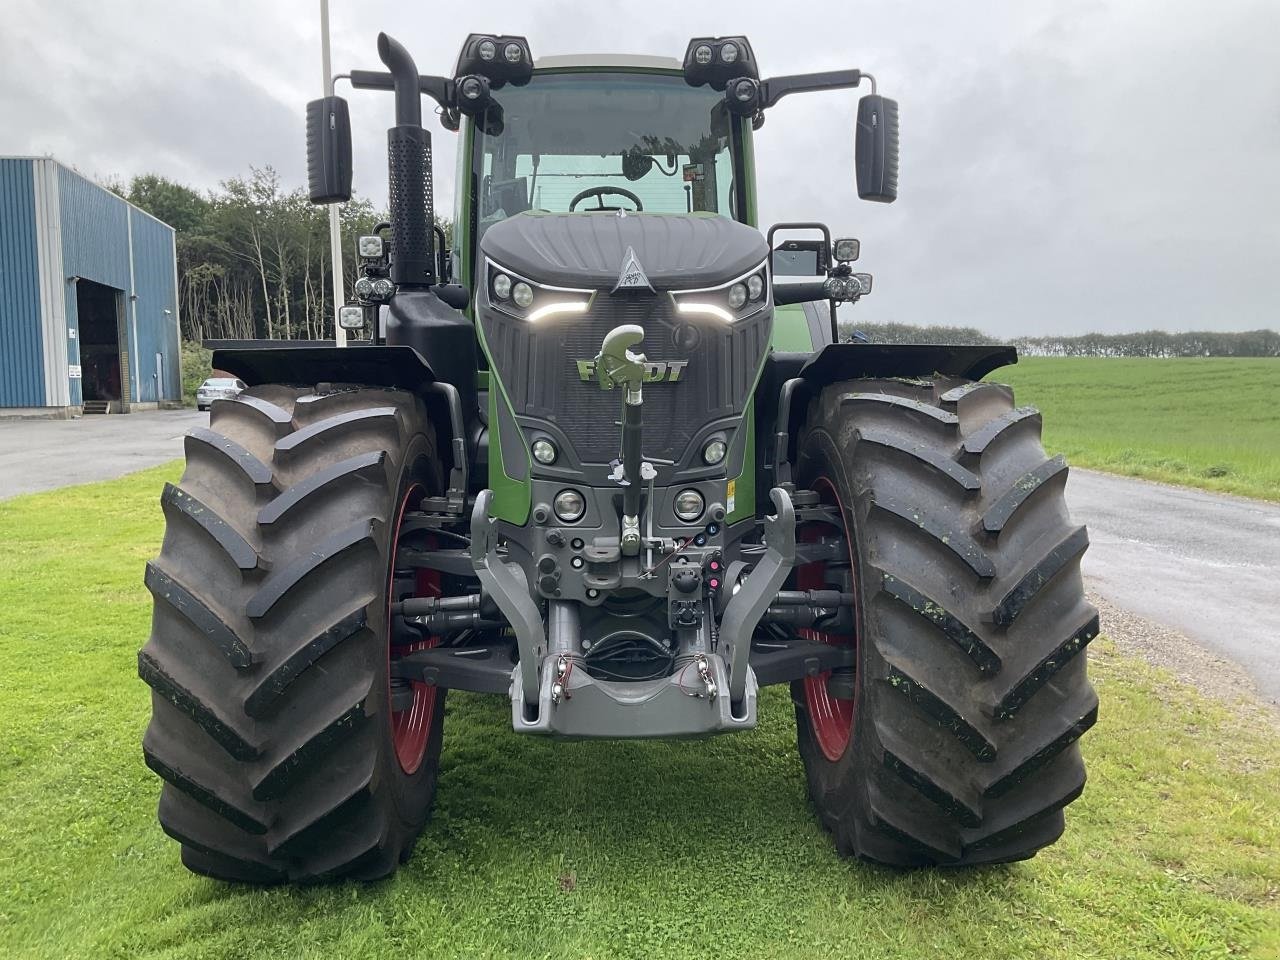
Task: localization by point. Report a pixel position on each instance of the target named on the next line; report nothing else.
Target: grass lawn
(542, 849)
(1212, 422)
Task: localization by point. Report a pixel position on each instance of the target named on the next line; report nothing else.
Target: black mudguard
(303, 361)
(790, 379)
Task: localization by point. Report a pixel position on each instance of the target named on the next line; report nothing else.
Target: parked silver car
(218, 388)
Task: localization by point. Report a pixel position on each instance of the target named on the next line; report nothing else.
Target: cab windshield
(592, 141)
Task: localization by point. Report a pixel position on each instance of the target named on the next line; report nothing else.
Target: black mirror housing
(876, 147)
(328, 150)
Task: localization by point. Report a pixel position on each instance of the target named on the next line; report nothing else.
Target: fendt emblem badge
(632, 275)
(669, 371)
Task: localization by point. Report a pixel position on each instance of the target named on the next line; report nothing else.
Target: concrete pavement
(40, 455)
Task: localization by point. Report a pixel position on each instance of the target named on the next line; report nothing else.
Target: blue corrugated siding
(95, 245)
(21, 347)
(157, 330)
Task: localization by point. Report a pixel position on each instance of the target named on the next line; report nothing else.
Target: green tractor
(605, 456)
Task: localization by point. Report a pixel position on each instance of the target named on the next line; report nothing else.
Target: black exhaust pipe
(409, 173)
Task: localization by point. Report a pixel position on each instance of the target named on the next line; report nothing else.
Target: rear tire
(959, 746)
(272, 719)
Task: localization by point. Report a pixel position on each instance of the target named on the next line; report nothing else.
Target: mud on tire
(970, 685)
(272, 724)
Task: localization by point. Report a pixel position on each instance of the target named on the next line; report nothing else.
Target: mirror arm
(805, 291)
(439, 89)
(775, 88)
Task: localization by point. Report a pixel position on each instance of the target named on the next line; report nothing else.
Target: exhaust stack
(409, 173)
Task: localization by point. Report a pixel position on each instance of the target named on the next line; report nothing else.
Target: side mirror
(328, 150)
(801, 258)
(877, 149)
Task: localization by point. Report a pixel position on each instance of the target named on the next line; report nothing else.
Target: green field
(601, 850)
(1211, 423)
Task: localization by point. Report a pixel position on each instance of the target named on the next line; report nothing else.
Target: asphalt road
(44, 454)
(1206, 564)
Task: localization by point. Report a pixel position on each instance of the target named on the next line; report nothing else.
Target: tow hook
(708, 681)
(559, 686)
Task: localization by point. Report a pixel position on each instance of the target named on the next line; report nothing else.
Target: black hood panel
(676, 251)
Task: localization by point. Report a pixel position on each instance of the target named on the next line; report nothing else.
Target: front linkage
(711, 592)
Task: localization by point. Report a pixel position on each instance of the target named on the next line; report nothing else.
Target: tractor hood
(675, 251)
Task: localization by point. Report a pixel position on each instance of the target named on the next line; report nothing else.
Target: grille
(539, 367)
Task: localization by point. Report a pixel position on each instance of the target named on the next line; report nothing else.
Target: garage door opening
(101, 312)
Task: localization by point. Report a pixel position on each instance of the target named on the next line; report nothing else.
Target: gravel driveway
(1205, 564)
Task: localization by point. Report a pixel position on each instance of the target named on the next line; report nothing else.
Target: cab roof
(607, 61)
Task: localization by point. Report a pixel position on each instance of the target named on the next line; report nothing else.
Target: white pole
(335, 233)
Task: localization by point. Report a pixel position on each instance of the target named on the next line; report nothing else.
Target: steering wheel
(599, 194)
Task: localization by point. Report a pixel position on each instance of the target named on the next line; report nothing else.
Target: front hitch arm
(758, 591)
(506, 584)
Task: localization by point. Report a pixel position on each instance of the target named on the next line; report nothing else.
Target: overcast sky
(1066, 166)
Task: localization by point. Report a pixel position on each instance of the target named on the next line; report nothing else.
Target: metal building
(88, 296)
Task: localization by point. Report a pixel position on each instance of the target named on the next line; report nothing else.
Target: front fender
(792, 378)
(271, 361)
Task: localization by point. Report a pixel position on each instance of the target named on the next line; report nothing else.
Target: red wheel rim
(411, 726)
(830, 717)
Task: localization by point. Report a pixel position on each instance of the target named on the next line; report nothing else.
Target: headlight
(729, 52)
(729, 302)
(512, 52)
(569, 506)
(689, 505)
(532, 301)
(714, 451)
(383, 288)
(364, 288)
(487, 49)
(703, 54)
(544, 451)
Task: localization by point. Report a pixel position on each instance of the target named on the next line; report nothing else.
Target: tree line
(253, 257)
(1148, 343)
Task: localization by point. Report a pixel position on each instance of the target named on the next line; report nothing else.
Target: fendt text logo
(654, 371)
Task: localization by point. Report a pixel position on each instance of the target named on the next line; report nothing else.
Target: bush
(197, 366)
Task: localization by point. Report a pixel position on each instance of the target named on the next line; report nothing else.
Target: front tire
(283, 753)
(955, 742)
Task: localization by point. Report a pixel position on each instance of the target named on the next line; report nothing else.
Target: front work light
(351, 317)
(479, 56)
(847, 250)
(717, 60)
(370, 247)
